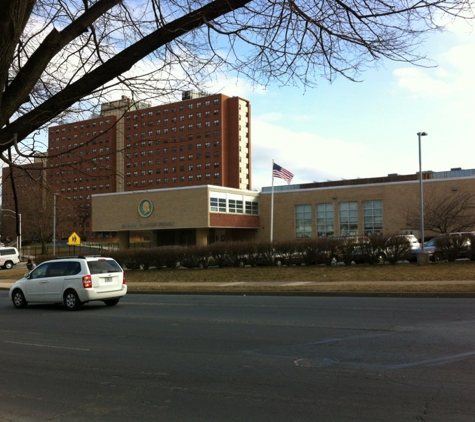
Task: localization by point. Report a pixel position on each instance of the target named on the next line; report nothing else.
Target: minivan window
(57, 269)
(104, 266)
(40, 271)
(7, 252)
(73, 268)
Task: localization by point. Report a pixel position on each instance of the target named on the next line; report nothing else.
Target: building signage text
(148, 225)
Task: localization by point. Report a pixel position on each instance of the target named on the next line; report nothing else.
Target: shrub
(373, 250)
(286, 253)
(219, 255)
(307, 249)
(396, 248)
(327, 250)
(196, 256)
(351, 249)
(453, 246)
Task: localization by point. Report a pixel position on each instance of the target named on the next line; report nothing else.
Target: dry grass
(441, 278)
(447, 271)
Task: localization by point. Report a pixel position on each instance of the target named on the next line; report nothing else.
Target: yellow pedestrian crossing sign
(74, 239)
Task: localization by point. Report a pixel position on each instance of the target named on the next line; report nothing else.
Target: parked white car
(72, 281)
(9, 257)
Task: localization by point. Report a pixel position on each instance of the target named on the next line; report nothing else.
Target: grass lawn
(446, 277)
(446, 271)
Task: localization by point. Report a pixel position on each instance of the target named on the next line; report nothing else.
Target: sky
(348, 130)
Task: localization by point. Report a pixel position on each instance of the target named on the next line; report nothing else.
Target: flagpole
(272, 207)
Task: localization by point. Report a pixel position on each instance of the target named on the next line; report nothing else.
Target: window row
(347, 217)
(167, 160)
(172, 109)
(76, 145)
(234, 206)
(174, 179)
(190, 126)
(171, 170)
(181, 118)
(166, 131)
(80, 126)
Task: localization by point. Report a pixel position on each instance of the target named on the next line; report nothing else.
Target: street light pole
(421, 192)
(54, 225)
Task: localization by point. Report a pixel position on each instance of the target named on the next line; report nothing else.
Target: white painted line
(298, 283)
(46, 345)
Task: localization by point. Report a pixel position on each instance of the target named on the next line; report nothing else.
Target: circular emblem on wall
(145, 208)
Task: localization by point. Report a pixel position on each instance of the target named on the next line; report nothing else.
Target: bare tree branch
(89, 44)
(444, 211)
(59, 59)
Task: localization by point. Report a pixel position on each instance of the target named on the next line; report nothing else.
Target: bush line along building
(180, 173)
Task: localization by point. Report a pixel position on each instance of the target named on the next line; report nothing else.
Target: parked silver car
(450, 246)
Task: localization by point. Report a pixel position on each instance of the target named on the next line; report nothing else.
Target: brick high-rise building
(29, 183)
(201, 140)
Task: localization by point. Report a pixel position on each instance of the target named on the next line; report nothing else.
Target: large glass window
(303, 221)
(325, 220)
(252, 207)
(232, 205)
(348, 218)
(218, 204)
(373, 217)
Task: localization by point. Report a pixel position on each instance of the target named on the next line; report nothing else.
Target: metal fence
(61, 249)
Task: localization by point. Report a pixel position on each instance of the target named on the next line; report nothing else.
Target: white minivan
(9, 257)
(72, 281)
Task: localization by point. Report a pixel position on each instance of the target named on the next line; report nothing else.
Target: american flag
(281, 173)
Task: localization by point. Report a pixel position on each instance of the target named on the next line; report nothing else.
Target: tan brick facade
(172, 209)
(397, 199)
(175, 210)
(192, 208)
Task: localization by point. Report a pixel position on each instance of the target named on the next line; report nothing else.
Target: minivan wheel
(18, 299)
(112, 302)
(71, 300)
(8, 265)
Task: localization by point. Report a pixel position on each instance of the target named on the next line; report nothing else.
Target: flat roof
(183, 188)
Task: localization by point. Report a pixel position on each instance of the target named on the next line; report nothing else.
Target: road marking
(298, 283)
(236, 283)
(46, 345)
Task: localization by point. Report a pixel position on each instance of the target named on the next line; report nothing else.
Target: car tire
(112, 302)
(8, 265)
(71, 300)
(380, 258)
(438, 257)
(18, 299)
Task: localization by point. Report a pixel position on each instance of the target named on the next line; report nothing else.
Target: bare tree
(37, 213)
(59, 57)
(66, 55)
(444, 211)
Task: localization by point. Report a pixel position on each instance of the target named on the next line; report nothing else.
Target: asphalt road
(240, 358)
